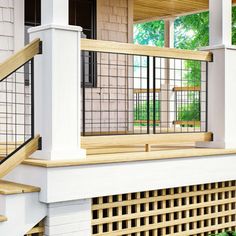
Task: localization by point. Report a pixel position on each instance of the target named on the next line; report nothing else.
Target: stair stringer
(23, 212)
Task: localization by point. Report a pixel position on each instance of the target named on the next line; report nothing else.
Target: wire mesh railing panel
(197, 210)
(135, 94)
(16, 110)
(183, 95)
(108, 108)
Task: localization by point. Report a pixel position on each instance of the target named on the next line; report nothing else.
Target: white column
(55, 12)
(69, 218)
(221, 77)
(220, 22)
(57, 84)
(167, 116)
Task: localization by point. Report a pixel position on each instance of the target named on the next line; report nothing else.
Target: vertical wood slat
(190, 210)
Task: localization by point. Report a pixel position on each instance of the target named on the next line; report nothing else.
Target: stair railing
(17, 102)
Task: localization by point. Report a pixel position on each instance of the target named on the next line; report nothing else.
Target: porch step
(20, 204)
(3, 218)
(7, 188)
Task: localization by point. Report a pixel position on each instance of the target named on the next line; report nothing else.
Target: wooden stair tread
(7, 188)
(3, 218)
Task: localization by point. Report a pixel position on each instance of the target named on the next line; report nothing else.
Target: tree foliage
(150, 33)
(191, 32)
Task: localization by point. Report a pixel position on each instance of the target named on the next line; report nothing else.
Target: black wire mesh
(16, 110)
(137, 94)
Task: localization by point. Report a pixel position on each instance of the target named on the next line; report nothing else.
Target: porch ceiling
(145, 10)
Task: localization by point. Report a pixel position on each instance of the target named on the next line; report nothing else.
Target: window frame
(92, 81)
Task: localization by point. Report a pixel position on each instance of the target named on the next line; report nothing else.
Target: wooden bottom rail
(147, 140)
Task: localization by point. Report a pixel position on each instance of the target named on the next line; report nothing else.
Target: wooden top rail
(134, 49)
(19, 59)
(191, 88)
(138, 91)
(187, 122)
(117, 140)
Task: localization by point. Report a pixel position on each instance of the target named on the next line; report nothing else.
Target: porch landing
(135, 153)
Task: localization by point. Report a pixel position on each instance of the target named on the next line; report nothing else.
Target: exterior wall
(114, 23)
(6, 48)
(11, 40)
(112, 20)
(6, 28)
(11, 27)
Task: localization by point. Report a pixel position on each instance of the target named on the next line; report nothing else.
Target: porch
(120, 138)
(159, 96)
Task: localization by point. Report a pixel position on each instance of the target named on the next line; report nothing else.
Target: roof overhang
(148, 10)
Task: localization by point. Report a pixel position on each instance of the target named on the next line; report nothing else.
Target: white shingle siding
(6, 47)
(6, 28)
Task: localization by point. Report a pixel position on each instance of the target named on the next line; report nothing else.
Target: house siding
(6, 28)
(114, 23)
(112, 20)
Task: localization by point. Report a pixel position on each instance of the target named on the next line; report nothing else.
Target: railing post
(148, 95)
(154, 95)
(32, 98)
(58, 85)
(221, 78)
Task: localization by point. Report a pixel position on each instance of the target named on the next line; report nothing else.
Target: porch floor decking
(135, 153)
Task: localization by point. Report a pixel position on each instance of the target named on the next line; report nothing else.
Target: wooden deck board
(7, 188)
(158, 153)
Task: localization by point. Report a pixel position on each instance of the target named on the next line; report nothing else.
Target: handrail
(134, 49)
(20, 58)
(20, 142)
(19, 156)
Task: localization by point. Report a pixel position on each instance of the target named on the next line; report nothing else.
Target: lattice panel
(197, 210)
(38, 230)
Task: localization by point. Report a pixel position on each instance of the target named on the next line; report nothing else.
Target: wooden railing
(147, 140)
(17, 139)
(20, 58)
(133, 49)
(157, 59)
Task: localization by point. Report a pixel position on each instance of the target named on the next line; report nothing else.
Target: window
(32, 12)
(81, 13)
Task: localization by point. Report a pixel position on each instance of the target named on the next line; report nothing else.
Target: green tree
(191, 32)
(141, 112)
(150, 33)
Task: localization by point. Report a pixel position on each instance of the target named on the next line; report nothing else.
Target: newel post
(57, 83)
(221, 77)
